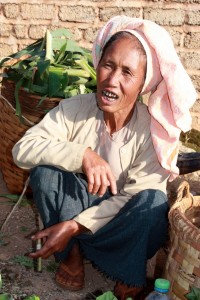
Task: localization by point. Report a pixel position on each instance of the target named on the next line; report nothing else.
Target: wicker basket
(183, 262)
(12, 130)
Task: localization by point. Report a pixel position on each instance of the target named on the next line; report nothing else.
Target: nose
(114, 77)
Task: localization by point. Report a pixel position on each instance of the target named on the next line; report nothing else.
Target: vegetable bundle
(54, 66)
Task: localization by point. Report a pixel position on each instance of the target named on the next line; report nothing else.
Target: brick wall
(23, 21)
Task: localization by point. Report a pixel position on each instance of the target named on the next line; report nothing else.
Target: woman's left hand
(56, 237)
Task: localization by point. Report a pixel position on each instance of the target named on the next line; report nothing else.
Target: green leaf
(41, 100)
(38, 89)
(60, 54)
(85, 66)
(14, 198)
(32, 48)
(49, 48)
(17, 88)
(107, 296)
(23, 229)
(23, 261)
(194, 293)
(54, 84)
(72, 46)
(6, 297)
(43, 67)
(64, 81)
(11, 196)
(61, 32)
(33, 297)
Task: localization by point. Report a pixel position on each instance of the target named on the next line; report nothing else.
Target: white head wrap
(172, 92)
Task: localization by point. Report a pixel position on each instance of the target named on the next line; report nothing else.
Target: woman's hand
(56, 237)
(99, 174)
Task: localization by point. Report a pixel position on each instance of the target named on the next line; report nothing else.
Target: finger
(97, 183)
(90, 179)
(104, 185)
(40, 234)
(113, 184)
(44, 252)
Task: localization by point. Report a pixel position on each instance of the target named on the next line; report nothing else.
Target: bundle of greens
(54, 66)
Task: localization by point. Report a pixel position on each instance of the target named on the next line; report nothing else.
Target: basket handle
(183, 191)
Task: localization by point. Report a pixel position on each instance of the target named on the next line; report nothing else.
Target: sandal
(68, 280)
(123, 291)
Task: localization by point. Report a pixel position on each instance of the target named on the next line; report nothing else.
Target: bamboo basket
(182, 267)
(12, 129)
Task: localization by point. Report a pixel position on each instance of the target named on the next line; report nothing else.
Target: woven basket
(183, 262)
(11, 130)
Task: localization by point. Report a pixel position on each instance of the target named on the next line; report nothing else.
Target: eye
(127, 72)
(107, 65)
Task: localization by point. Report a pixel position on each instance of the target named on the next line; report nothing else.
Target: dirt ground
(19, 277)
(18, 274)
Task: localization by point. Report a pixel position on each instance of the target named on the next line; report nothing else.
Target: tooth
(110, 94)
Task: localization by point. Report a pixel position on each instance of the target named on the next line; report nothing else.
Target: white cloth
(172, 91)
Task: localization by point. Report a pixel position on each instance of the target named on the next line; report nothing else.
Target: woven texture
(183, 262)
(12, 130)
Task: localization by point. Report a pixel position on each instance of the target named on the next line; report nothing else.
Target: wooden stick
(3, 227)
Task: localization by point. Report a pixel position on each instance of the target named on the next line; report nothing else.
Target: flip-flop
(123, 291)
(68, 280)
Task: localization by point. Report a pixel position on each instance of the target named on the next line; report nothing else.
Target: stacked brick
(24, 21)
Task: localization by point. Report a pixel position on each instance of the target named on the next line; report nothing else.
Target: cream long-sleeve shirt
(64, 134)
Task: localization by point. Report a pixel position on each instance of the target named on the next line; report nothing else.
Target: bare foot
(70, 274)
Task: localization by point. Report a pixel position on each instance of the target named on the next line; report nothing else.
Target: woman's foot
(70, 274)
(123, 291)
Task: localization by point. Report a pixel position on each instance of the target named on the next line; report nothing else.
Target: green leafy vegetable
(194, 294)
(107, 296)
(33, 297)
(54, 66)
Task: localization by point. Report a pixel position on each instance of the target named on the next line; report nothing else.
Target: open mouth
(109, 96)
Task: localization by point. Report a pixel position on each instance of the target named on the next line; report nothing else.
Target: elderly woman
(100, 162)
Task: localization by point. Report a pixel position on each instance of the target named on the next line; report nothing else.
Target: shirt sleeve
(48, 143)
(97, 216)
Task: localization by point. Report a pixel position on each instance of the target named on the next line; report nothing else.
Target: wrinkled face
(120, 76)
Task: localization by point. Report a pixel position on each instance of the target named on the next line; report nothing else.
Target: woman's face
(120, 76)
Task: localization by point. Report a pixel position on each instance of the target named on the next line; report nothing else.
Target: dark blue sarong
(122, 247)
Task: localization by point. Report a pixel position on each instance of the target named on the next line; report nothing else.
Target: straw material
(183, 262)
(11, 130)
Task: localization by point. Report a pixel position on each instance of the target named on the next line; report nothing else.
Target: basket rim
(35, 96)
(180, 224)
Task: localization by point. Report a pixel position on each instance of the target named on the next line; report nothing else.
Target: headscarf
(171, 90)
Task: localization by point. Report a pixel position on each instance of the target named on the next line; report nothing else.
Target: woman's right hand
(99, 174)
(56, 237)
